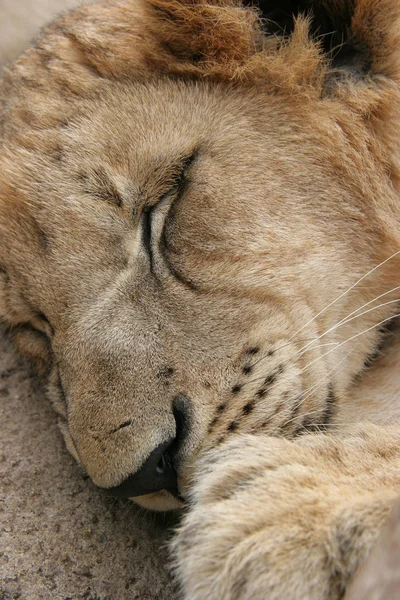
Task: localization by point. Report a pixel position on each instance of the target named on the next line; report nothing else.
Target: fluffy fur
(189, 195)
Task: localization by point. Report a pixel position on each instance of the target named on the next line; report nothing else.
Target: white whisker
(268, 355)
(350, 339)
(314, 339)
(261, 377)
(344, 294)
(346, 321)
(373, 300)
(323, 380)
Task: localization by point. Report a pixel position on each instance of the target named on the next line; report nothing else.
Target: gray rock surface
(60, 537)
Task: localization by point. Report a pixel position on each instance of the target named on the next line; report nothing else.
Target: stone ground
(60, 537)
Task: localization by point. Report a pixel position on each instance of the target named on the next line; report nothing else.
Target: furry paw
(272, 518)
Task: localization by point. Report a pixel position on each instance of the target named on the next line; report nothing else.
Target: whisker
(262, 377)
(344, 294)
(350, 339)
(356, 311)
(374, 299)
(307, 393)
(357, 283)
(344, 322)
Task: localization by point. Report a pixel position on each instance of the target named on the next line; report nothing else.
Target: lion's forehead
(247, 209)
(246, 178)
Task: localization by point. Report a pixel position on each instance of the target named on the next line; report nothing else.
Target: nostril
(164, 464)
(160, 468)
(180, 409)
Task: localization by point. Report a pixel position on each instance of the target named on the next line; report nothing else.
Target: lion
(199, 216)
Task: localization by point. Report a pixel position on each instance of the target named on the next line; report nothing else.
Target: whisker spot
(253, 350)
(248, 408)
(233, 426)
(270, 380)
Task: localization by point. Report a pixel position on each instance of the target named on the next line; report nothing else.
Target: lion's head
(186, 195)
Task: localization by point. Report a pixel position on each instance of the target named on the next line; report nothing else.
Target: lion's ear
(361, 37)
(287, 43)
(34, 346)
(15, 315)
(319, 47)
(137, 37)
(207, 38)
(358, 63)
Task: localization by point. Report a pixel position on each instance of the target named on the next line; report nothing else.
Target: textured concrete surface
(60, 537)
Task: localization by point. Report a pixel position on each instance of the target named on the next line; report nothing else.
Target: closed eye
(146, 225)
(148, 217)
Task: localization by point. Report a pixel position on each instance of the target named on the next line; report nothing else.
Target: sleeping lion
(200, 245)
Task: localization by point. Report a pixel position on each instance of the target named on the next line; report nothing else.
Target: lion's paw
(273, 519)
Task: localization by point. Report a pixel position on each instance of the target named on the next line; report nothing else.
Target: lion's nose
(157, 473)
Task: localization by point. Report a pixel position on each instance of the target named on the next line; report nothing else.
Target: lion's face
(182, 262)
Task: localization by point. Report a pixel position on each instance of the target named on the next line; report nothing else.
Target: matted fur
(245, 311)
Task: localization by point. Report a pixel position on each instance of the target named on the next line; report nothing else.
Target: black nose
(158, 471)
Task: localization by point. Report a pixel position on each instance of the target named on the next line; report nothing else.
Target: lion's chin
(159, 501)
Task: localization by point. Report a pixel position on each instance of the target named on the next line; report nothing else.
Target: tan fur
(273, 518)
(290, 197)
